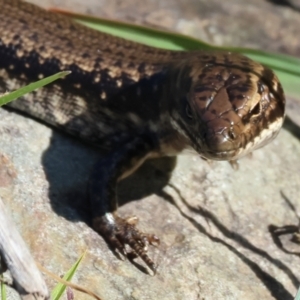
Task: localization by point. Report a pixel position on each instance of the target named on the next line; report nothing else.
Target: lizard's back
(35, 44)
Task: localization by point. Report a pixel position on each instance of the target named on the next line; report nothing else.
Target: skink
(135, 102)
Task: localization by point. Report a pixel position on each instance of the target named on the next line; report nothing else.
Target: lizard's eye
(256, 109)
(188, 111)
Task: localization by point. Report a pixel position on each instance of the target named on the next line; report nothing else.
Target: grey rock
(214, 222)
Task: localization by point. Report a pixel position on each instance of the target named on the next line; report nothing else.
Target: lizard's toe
(119, 232)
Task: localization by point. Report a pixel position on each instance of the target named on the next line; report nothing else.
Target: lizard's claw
(119, 232)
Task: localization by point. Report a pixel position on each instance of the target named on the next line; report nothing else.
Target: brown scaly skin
(135, 102)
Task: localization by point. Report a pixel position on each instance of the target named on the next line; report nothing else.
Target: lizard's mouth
(223, 146)
(221, 155)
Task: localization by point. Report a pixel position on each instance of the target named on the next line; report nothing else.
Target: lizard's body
(134, 102)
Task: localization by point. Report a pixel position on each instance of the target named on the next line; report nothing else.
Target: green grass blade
(145, 35)
(290, 83)
(3, 290)
(298, 295)
(60, 288)
(286, 67)
(148, 36)
(31, 87)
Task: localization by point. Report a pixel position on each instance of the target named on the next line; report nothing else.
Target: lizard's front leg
(120, 162)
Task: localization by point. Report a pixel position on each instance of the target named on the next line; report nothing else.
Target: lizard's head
(228, 107)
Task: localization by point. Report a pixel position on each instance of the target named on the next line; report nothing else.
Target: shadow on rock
(67, 164)
(275, 287)
(287, 237)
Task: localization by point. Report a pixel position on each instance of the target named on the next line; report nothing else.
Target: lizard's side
(135, 102)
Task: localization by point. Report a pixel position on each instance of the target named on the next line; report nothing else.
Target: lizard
(135, 102)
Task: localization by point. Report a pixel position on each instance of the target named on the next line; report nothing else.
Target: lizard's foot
(119, 232)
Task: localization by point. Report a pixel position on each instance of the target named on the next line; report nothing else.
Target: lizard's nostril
(231, 134)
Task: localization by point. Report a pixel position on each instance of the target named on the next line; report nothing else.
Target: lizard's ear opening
(188, 111)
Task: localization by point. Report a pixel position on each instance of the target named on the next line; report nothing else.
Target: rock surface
(214, 222)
